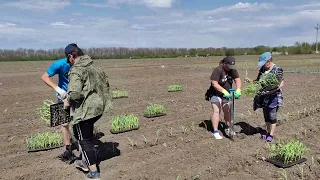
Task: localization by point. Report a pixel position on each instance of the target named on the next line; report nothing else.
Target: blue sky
(50, 24)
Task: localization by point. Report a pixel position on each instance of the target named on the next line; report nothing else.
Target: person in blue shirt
(61, 68)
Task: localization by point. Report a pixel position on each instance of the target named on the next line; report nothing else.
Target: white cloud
(244, 7)
(38, 4)
(149, 3)
(59, 23)
(99, 5)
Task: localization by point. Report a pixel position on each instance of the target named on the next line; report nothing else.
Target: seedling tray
(281, 164)
(45, 149)
(124, 130)
(59, 115)
(157, 115)
(174, 90)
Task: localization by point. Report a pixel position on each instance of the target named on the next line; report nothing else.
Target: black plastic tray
(119, 97)
(59, 115)
(281, 164)
(124, 130)
(152, 116)
(44, 149)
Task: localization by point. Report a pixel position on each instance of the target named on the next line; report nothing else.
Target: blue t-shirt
(60, 67)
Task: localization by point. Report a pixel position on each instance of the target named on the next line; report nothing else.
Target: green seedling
(44, 111)
(44, 140)
(119, 94)
(288, 152)
(174, 88)
(251, 89)
(124, 123)
(154, 110)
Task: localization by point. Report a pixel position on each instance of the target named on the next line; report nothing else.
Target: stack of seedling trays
(154, 110)
(124, 123)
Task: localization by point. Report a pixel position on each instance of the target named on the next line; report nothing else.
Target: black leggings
(83, 132)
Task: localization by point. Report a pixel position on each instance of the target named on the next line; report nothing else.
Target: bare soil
(179, 145)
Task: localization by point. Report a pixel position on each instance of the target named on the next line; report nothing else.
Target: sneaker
(263, 136)
(91, 175)
(80, 164)
(67, 156)
(269, 139)
(217, 135)
(227, 131)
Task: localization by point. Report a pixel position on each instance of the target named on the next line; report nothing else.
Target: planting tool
(59, 115)
(231, 114)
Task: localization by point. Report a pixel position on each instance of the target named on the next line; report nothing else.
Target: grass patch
(154, 110)
(175, 88)
(287, 152)
(119, 94)
(44, 111)
(124, 123)
(43, 141)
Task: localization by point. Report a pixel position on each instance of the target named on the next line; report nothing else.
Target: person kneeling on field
(269, 100)
(218, 94)
(88, 96)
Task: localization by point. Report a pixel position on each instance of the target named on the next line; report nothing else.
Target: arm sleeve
(259, 74)
(215, 76)
(53, 69)
(280, 74)
(75, 87)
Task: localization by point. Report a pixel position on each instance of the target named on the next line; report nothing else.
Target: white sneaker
(217, 135)
(227, 131)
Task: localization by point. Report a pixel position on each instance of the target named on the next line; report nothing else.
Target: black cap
(230, 61)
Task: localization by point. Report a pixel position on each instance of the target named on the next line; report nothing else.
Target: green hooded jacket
(88, 90)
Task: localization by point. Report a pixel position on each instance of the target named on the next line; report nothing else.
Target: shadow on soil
(104, 150)
(240, 127)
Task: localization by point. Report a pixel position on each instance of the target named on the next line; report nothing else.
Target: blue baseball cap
(69, 48)
(264, 58)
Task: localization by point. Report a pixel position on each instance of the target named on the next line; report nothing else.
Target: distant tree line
(138, 53)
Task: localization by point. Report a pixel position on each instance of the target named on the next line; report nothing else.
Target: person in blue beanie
(269, 100)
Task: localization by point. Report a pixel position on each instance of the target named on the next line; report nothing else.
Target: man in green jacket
(88, 96)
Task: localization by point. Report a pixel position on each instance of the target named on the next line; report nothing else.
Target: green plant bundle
(288, 152)
(124, 123)
(44, 140)
(44, 111)
(252, 88)
(154, 110)
(269, 81)
(173, 88)
(119, 94)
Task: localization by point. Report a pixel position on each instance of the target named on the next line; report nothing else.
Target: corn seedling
(44, 111)
(301, 171)
(251, 89)
(157, 137)
(174, 88)
(184, 129)
(124, 123)
(284, 175)
(132, 143)
(154, 110)
(170, 131)
(288, 152)
(44, 140)
(145, 139)
(119, 94)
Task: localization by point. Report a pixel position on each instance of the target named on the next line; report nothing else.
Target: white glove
(61, 92)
